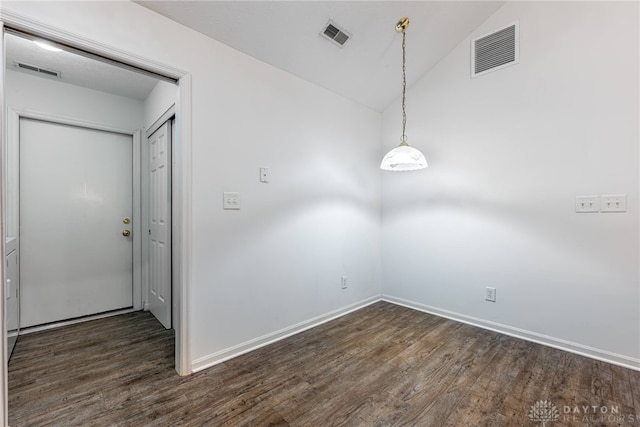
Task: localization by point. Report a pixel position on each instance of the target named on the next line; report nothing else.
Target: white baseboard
(254, 344)
(572, 347)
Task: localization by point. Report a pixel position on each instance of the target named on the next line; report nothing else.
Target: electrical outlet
(490, 294)
(587, 204)
(230, 200)
(345, 282)
(614, 203)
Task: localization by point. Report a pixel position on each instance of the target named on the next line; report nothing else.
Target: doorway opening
(88, 89)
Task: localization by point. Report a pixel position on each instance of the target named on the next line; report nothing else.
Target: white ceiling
(367, 69)
(78, 70)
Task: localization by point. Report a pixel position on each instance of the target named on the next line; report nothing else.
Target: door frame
(4, 402)
(12, 184)
(182, 189)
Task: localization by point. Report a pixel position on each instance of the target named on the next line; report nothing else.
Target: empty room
(313, 213)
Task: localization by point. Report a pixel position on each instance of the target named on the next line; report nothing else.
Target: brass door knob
(126, 220)
(126, 233)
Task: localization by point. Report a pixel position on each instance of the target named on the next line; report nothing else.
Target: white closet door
(75, 191)
(160, 224)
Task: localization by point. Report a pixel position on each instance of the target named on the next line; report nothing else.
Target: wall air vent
(496, 50)
(39, 70)
(335, 34)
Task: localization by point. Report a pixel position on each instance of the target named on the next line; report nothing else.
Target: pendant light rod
(403, 24)
(403, 157)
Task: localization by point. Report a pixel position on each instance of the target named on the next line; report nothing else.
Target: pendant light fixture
(403, 157)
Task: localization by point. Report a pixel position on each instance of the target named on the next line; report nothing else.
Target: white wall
(507, 154)
(50, 96)
(161, 98)
(277, 262)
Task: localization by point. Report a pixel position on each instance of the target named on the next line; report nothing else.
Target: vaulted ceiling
(287, 35)
(367, 69)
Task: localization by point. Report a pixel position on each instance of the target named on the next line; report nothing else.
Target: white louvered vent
(335, 34)
(496, 50)
(39, 70)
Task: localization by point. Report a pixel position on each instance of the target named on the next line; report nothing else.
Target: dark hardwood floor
(383, 365)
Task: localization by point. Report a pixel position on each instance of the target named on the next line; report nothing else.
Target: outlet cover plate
(231, 200)
(586, 204)
(614, 203)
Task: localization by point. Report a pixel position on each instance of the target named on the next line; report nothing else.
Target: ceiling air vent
(335, 34)
(496, 50)
(39, 70)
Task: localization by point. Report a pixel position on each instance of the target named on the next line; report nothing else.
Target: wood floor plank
(484, 404)
(384, 365)
(461, 376)
(533, 383)
(621, 386)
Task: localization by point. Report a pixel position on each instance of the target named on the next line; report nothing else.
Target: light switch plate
(587, 204)
(264, 175)
(614, 203)
(231, 200)
(490, 294)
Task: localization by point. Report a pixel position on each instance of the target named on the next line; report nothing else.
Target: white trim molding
(4, 413)
(182, 216)
(256, 343)
(560, 344)
(136, 226)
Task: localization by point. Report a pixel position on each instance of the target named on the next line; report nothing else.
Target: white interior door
(75, 191)
(160, 224)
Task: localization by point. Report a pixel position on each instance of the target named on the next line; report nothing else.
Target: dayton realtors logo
(597, 414)
(544, 411)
